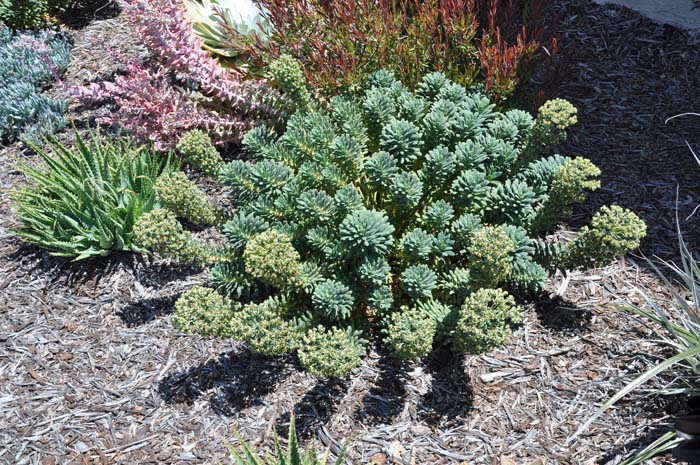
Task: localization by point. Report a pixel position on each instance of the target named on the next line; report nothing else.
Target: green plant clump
(28, 63)
(86, 201)
(197, 148)
(28, 14)
(406, 214)
(293, 455)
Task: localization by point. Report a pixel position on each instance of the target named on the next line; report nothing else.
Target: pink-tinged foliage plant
(182, 87)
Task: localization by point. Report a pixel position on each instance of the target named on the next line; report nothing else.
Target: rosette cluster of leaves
(28, 64)
(408, 214)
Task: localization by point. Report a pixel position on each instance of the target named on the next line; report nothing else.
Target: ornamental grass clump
(411, 215)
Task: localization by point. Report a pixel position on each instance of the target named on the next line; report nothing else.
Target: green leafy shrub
(28, 63)
(28, 14)
(86, 201)
(405, 213)
(159, 231)
(293, 456)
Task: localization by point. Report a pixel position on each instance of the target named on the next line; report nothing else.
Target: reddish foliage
(340, 42)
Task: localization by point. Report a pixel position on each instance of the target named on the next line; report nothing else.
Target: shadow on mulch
(385, 400)
(83, 12)
(315, 409)
(140, 312)
(245, 378)
(562, 315)
(451, 395)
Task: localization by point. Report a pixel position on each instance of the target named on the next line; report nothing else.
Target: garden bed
(93, 371)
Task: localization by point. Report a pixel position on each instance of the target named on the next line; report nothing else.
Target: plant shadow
(451, 395)
(83, 12)
(560, 314)
(387, 397)
(142, 311)
(244, 378)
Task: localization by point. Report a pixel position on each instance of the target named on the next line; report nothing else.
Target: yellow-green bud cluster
(410, 333)
(614, 231)
(271, 258)
(159, 231)
(490, 254)
(204, 311)
(263, 328)
(177, 193)
(482, 323)
(289, 77)
(198, 150)
(328, 352)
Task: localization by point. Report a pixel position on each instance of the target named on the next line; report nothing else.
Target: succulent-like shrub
(84, 202)
(407, 213)
(28, 14)
(159, 231)
(28, 63)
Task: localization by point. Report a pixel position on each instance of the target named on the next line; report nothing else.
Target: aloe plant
(84, 201)
(293, 456)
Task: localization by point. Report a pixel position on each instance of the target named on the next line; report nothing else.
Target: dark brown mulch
(91, 370)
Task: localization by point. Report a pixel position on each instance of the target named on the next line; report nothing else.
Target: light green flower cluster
(198, 150)
(178, 194)
(271, 258)
(201, 310)
(159, 231)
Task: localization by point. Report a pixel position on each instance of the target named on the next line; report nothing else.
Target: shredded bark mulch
(92, 371)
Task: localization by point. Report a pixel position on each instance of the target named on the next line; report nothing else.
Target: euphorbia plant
(408, 215)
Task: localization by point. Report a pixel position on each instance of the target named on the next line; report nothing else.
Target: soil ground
(92, 371)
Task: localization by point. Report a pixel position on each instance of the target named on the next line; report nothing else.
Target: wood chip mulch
(92, 371)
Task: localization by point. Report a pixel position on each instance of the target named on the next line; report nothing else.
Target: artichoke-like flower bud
(383, 79)
(469, 191)
(403, 140)
(410, 333)
(380, 299)
(332, 353)
(431, 85)
(522, 120)
(470, 155)
(380, 170)
(439, 167)
(271, 258)
(204, 311)
(406, 190)
(366, 232)
(374, 271)
(349, 155)
(614, 231)
(316, 207)
(541, 173)
(289, 78)
(463, 229)
(178, 194)
(241, 228)
(333, 300)
(454, 93)
(511, 202)
(417, 245)
(490, 254)
(198, 150)
(437, 216)
(503, 129)
(348, 200)
(379, 109)
(160, 232)
(482, 323)
(262, 327)
(418, 281)
(259, 141)
(455, 284)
